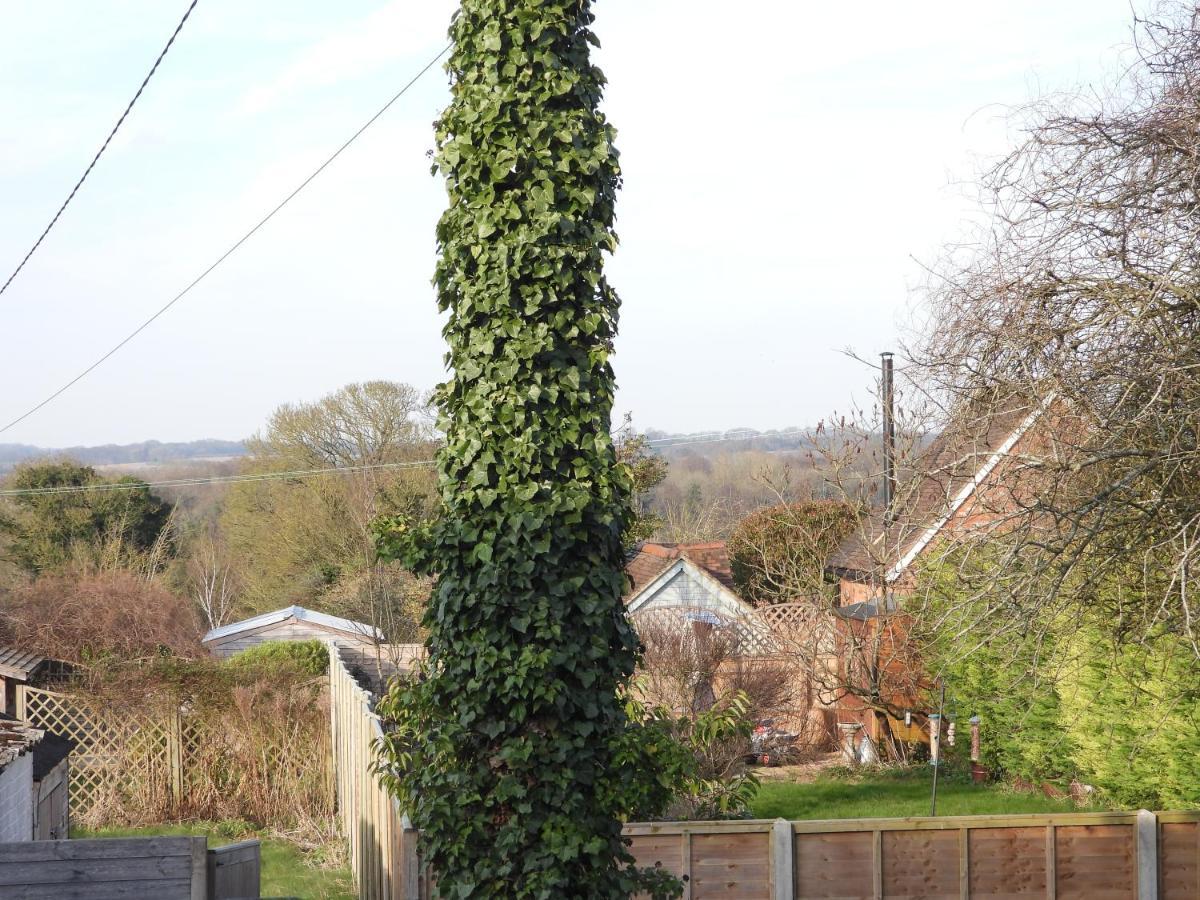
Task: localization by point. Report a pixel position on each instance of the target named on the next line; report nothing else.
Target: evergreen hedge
(1071, 698)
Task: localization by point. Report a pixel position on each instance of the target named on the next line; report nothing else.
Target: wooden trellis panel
(113, 755)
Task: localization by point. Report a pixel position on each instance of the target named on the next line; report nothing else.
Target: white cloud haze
(784, 164)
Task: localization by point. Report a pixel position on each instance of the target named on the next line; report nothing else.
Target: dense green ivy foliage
(510, 755)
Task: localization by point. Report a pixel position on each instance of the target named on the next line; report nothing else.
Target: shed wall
(290, 630)
(16, 800)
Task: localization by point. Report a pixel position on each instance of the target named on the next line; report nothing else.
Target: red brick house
(970, 479)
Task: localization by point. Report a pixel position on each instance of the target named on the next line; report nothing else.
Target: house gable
(961, 489)
(685, 585)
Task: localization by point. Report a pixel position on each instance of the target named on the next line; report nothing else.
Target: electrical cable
(224, 256)
(103, 147)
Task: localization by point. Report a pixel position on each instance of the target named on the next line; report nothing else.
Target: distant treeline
(116, 454)
(715, 443)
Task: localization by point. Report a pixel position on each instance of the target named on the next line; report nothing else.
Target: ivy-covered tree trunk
(508, 756)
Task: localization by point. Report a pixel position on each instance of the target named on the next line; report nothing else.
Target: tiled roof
(652, 559)
(953, 462)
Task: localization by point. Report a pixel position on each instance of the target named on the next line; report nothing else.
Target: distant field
(146, 453)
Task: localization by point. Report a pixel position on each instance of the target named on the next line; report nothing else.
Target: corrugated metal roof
(17, 663)
(300, 614)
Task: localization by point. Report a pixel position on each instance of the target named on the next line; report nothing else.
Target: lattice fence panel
(747, 635)
(804, 630)
(117, 757)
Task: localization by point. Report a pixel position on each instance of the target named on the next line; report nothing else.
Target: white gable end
(685, 586)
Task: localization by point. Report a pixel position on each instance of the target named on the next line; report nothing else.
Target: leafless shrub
(117, 613)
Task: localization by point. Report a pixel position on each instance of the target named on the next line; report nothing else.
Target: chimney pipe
(889, 437)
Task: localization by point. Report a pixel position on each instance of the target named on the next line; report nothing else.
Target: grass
(287, 870)
(894, 793)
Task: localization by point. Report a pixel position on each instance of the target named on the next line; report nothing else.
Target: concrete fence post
(782, 864)
(411, 863)
(1147, 855)
(849, 742)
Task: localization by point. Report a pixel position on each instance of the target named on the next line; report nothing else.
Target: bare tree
(1081, 305)
(298, 540)
(212, 582)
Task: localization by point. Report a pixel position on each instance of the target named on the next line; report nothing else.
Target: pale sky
(788, 166)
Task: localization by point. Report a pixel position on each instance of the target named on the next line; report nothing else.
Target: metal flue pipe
(889, 435)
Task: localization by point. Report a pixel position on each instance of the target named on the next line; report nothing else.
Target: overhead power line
(298, 474)
(103, 147)
(228, 253)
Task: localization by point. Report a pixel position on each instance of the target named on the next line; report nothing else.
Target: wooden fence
(235, 870)
(112, 752)
(165, 763)
(165, 868)
(1098, 856)
(382, 849)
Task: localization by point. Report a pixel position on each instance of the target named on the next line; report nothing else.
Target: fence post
(175, 753)
(782, 871)
(199, 881)
(411, 864)
(1147, 855)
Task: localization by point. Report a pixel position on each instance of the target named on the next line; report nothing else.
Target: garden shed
(293, 623)
(18, 666)
(34, 771)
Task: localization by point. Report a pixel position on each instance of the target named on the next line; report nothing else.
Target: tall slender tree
(507, 746)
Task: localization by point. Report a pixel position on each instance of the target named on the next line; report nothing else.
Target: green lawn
(287, 871)
(894, 794)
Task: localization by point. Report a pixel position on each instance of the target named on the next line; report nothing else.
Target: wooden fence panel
(920, 864)
(1178, 860)
(235, 871)
(1099, 856)
(833, 866)
(1007, 863)
(665, 851)
(1095, 862)
(731, 866)
(167, 868)
(718, 860)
